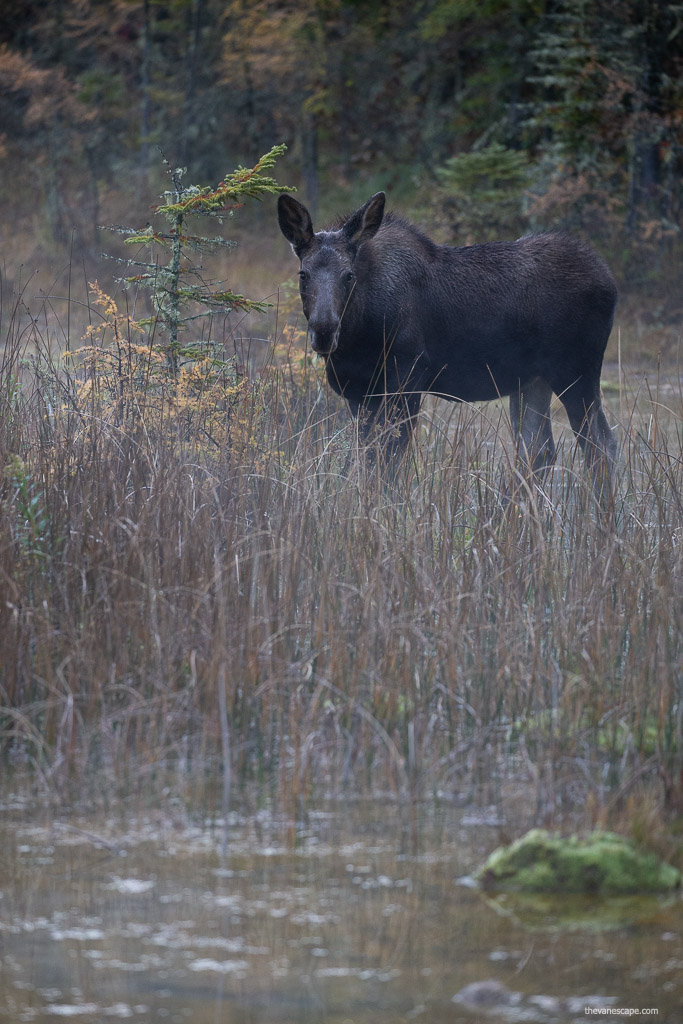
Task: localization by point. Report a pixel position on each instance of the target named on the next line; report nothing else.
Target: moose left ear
(364, 223)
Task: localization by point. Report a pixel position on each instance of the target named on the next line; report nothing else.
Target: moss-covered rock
(603, 863)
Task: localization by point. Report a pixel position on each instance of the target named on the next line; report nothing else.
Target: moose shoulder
(395, 315)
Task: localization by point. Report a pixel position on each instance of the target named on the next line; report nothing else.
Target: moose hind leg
(531, 424)
(594, 434)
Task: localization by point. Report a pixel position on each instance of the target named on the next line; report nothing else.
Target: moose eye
(302, 275)
(348, 277)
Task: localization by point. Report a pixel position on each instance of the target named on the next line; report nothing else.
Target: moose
(394, 315)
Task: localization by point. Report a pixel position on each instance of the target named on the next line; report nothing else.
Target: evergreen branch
(244, 181)
(118, 229)
(224, 300)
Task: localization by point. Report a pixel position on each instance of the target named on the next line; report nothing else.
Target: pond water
(101, 920)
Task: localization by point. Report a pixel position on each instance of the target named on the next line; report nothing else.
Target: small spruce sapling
(179, 293)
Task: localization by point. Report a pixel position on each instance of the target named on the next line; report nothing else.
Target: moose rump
(394, 315)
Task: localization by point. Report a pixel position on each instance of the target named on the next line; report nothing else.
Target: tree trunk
(190, 126)
(309, 146)
(146, 99)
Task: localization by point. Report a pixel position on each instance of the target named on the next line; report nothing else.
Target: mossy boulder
(604, 863)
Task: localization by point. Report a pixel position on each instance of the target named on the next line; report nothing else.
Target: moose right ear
(365, 223)
(295, 222)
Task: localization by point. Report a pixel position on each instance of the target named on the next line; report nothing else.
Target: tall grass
(417, 638)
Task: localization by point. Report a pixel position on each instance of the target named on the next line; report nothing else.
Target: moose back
(394, 315)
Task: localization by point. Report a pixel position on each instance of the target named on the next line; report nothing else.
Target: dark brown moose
(394, 315)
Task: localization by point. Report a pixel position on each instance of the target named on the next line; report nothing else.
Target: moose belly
(469, 380)
(479, 364)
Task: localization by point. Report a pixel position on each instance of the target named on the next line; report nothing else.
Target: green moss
(602, 863)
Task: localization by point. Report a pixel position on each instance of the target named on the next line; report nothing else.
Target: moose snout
(324, 334)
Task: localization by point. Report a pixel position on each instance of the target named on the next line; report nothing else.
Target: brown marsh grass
(414, 639)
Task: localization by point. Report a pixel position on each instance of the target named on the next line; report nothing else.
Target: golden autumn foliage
(120, 376)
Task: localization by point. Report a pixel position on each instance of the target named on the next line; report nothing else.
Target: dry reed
(415, 638)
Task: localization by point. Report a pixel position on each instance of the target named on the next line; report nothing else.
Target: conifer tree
(179, 293)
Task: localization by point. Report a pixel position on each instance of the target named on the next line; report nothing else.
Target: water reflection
(100, 922)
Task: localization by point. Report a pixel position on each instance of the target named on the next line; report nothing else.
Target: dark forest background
(481, 118)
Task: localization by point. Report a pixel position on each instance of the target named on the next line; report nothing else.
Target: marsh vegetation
(170, 538)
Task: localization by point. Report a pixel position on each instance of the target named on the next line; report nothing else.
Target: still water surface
(101, 921)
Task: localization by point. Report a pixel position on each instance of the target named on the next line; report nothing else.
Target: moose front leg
(386, 424)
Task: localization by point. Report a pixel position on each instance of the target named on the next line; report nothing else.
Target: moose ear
(364, 223)
(295, 222)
